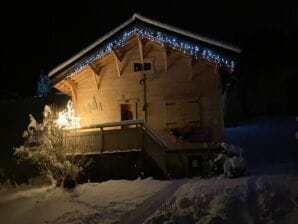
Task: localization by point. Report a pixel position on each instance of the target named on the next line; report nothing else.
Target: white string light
(194, 50)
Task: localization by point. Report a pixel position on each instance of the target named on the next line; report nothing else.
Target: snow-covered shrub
(7, 185)
(229, 161)
(43, 148)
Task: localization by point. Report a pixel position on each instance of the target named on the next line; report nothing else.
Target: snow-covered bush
(229, 161)
(43, 148)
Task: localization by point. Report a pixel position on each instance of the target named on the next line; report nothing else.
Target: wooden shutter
(181, 112)
(171, 113)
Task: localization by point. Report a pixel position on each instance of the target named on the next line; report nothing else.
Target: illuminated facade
(146, 70)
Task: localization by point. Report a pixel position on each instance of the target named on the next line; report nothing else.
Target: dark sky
(39, 36)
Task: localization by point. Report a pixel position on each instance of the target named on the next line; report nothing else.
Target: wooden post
(102, 143)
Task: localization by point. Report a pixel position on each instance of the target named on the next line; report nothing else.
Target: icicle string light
(194, 50)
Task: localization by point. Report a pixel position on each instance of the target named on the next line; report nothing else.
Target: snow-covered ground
(88, 203)
(253, 199)
(271, 198)
(269, 194)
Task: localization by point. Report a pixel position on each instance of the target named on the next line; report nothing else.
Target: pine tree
(43, 85)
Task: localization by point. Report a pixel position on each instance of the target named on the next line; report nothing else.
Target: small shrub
(43, 148)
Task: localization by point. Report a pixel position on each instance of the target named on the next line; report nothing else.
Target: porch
(135, 139)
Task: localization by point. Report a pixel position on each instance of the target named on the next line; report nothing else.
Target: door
(127, 112)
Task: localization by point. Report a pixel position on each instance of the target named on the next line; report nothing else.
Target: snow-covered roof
(158, 24)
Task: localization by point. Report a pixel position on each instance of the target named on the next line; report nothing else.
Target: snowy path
(150, 205)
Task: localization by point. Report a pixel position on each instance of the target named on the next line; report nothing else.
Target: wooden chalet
(149, 87)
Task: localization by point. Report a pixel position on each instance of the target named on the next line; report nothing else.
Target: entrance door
(127, 112)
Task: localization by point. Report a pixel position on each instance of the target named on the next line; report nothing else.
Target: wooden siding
(174, 76)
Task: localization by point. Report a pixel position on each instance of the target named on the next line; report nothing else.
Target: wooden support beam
(72, 88)
(141, 49)
(165, 57)
(118, 52)
(95, 80)
(116, 59)
(95, 74)
(216, 67)
(94, 68)
(190, 63)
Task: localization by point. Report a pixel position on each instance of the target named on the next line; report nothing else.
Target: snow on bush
(43, 147)
(230, 161)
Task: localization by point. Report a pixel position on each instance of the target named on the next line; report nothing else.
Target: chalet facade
(146, 70)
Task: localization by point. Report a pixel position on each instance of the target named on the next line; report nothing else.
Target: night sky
(39, 36)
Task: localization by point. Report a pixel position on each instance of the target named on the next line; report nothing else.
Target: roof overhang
(137, 23)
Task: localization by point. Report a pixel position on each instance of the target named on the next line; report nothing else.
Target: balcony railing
(116, 137)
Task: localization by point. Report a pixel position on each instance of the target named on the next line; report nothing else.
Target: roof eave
(135, 16)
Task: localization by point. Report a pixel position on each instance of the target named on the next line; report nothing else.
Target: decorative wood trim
(116, 63)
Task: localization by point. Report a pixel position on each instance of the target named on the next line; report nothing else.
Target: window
(137, 67)
(147, 66)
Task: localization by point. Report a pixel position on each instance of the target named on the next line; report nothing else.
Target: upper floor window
(137, 67)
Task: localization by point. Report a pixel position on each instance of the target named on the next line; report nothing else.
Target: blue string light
(194, 50)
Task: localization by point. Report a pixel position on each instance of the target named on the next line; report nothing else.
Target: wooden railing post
(102, 140)
(143, 137)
